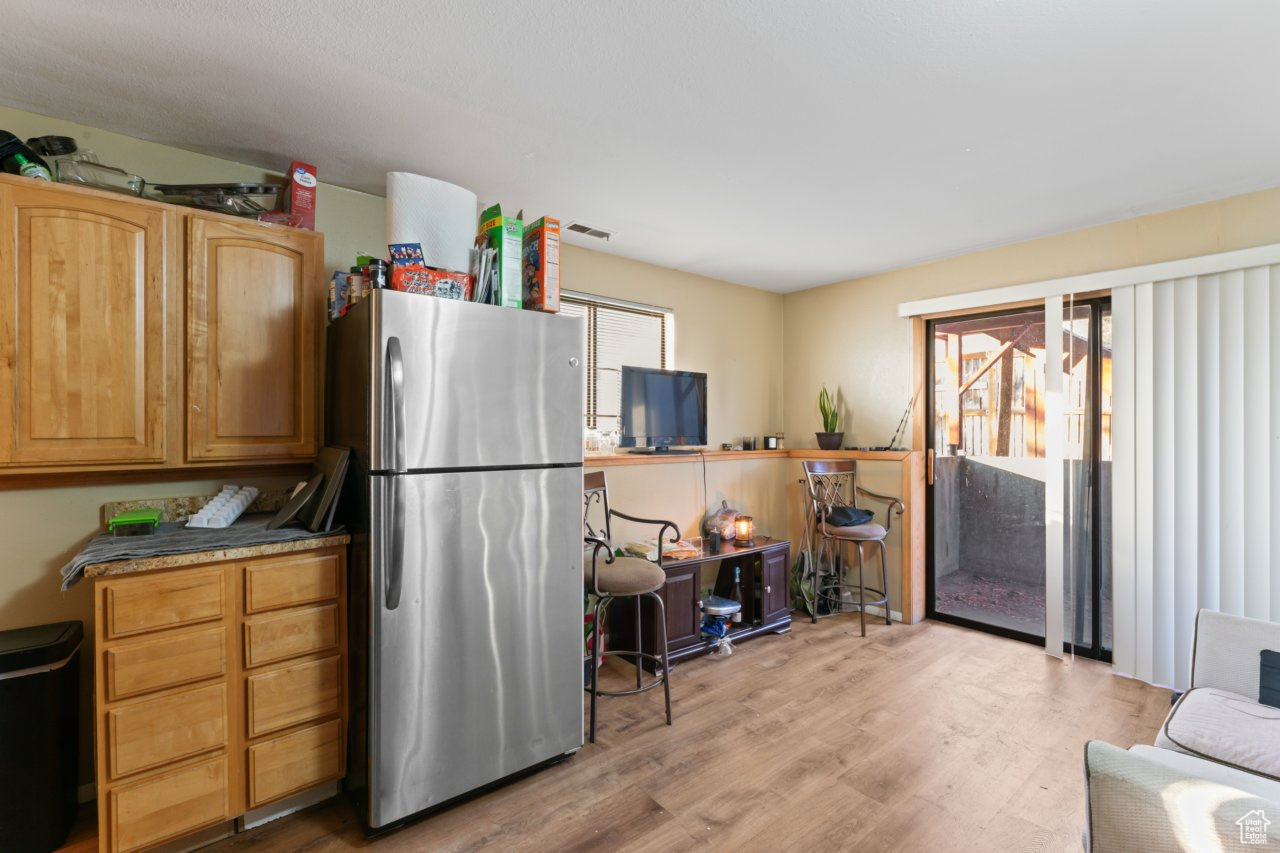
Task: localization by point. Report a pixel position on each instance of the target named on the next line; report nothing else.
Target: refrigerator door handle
(395, 540)
(395, 419)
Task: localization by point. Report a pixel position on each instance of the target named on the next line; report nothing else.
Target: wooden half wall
(767, 485)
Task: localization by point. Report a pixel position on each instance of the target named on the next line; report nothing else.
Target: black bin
(39, 709)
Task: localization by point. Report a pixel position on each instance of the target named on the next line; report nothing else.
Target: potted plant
(831, 439)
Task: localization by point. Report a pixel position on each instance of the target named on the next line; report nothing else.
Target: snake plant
(827, 406)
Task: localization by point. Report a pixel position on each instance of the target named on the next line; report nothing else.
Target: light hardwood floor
(927, 737)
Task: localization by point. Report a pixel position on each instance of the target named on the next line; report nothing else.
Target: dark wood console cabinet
(766, 593)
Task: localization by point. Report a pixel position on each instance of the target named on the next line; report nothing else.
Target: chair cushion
(624, 576)
(1225, 727)
(864, 532)
(1211, 771)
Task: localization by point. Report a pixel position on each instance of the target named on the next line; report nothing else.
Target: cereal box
(542, 265)
(505, 234)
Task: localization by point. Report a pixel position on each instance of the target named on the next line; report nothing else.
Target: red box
(433, 282)
(300, 196)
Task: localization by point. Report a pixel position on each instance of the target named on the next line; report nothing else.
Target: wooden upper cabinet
(82, 328)
(254, 315)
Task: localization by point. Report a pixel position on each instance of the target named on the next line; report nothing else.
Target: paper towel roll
(439, 215)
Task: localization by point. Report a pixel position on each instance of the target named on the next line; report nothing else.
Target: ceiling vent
(587, 230)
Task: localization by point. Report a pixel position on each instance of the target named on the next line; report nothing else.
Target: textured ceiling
(777, 144)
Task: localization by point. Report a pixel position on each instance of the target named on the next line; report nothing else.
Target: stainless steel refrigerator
(464, 498)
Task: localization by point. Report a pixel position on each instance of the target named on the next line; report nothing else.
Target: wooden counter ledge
(606, 460)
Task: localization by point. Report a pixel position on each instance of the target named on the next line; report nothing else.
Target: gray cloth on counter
(174, 537)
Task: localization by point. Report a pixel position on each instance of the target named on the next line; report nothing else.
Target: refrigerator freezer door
(476, 673)
(482, 387)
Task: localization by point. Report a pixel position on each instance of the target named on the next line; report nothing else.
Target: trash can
(39, 709)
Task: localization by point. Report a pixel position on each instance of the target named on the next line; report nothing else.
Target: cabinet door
(253, 318)
(680, 598)
(82, 328)
(775, 597)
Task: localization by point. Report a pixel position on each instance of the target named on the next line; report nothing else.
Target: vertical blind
(616, 335)
(1196, 490)
(1195, 486)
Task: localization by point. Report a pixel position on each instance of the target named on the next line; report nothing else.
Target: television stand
(651, 451)
(765, 572)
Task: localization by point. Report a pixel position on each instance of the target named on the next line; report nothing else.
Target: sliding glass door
(988, 443)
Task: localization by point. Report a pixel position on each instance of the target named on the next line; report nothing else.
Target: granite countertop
(173, 545)
(194, 558)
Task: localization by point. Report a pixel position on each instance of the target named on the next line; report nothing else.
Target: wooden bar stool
(609, 578)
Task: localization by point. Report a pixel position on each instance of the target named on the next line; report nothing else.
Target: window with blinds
(617, 333)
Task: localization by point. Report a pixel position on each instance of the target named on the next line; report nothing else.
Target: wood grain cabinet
(136, 335)
(83, 302)
(253, 317)
(207, 707)
(680, 603)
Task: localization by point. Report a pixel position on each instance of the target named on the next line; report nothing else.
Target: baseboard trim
(879, 611)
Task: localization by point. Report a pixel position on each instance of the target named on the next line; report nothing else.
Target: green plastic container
(135, 522)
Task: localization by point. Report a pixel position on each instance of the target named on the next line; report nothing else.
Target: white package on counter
(439, 215)
(224, 508)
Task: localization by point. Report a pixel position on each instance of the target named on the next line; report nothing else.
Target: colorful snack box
(506, 234)
(541, 288)
(338, 294)
(406, 254)
(432, 282)
(300, 195)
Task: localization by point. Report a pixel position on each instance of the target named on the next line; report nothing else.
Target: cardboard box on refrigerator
(506, 234)
(542, 265)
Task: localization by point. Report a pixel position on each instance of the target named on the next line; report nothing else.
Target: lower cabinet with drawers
(219, 688)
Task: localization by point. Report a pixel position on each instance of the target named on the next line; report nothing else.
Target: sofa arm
(1225, 653)
(1134, 803)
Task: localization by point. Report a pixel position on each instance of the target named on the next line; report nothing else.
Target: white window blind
(1196, 506)
(617, 334)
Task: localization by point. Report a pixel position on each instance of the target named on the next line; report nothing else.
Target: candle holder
(744, 529)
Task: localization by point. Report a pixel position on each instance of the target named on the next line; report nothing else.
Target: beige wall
(352, 222)
(730, 332)
(849, 335)
(734, 335)
(674, 492)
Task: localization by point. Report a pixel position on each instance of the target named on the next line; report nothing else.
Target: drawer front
(281, 636)
(290, 580)
(294, 762)
(155, 602)
(169, 805)
(147, 665)
(157, 731)
(292, 695)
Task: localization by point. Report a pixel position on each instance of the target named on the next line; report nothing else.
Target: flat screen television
(662, 409)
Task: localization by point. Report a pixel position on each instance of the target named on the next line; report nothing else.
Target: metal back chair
(609, 577)
(832, 484)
